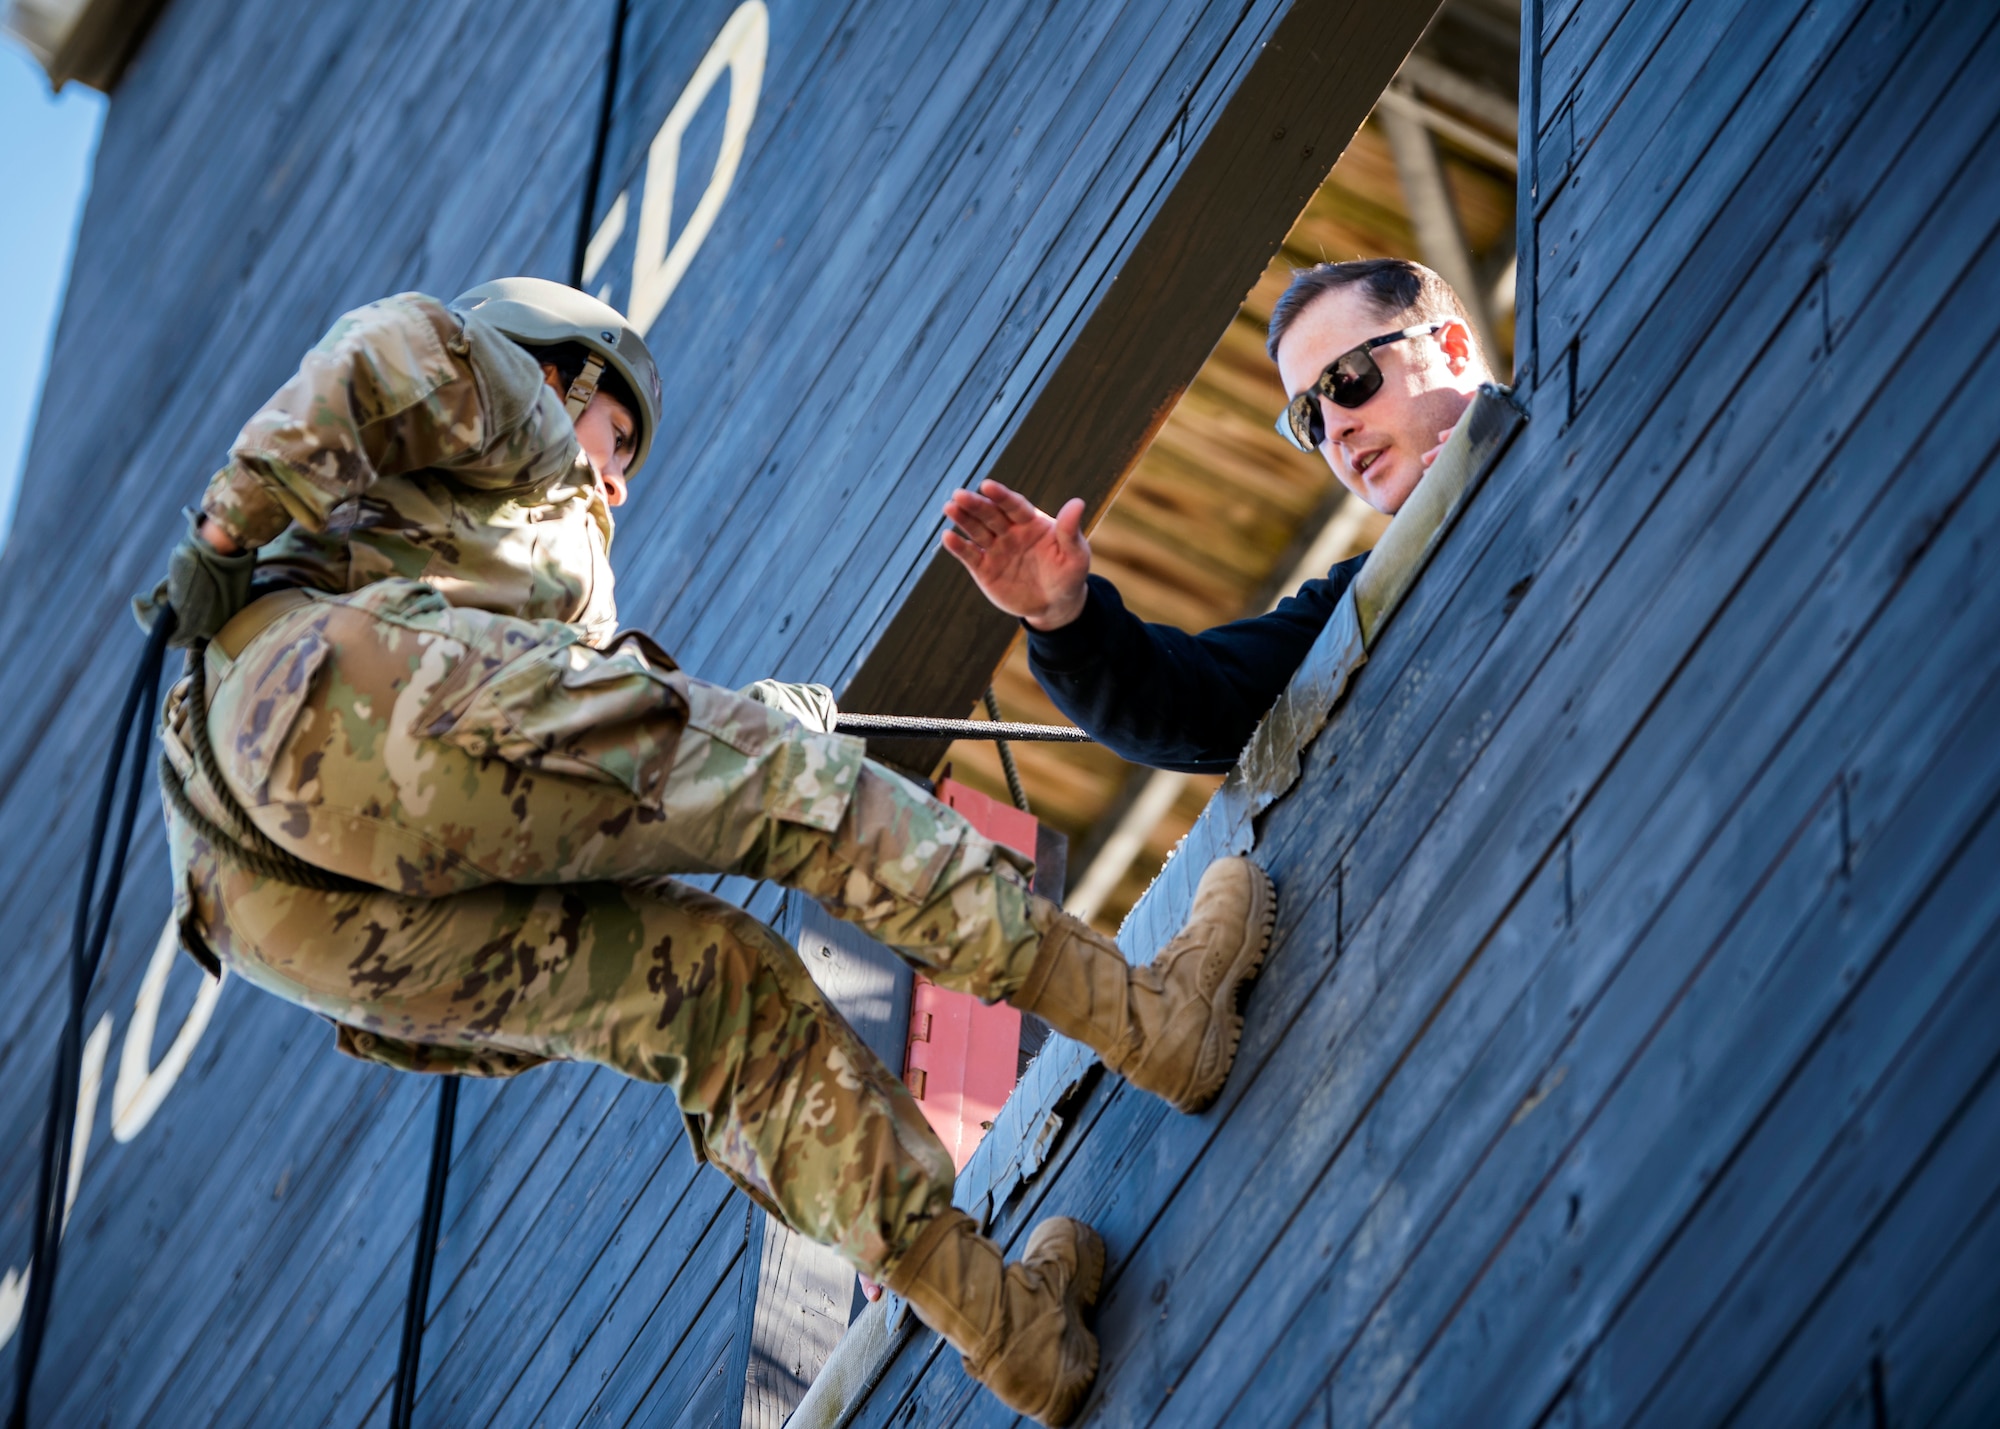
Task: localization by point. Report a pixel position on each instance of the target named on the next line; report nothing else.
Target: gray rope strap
(246, 845)
(899, 727)
(243, 844)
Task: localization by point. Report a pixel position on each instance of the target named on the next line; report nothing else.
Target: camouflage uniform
(446, 717)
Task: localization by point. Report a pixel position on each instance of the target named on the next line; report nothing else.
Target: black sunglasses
(1348, 381)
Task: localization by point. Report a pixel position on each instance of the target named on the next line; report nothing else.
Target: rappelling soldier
(418, 782)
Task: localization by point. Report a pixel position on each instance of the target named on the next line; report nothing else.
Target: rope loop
(242, 843)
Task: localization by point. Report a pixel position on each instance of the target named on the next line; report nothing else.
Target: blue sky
(44, 175)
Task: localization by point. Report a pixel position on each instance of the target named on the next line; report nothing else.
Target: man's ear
(1455, 341)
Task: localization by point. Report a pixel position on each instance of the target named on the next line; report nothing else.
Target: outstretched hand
(1029, 563)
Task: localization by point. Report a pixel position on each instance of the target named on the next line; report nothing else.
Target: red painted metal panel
(1003, 823)
(964, 1056)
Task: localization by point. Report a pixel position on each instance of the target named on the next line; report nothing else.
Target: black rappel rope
(88, 935)
(403, 1402)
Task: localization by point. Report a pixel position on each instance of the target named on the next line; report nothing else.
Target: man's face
(1377, 449)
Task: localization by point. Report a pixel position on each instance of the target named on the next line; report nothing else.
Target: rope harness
(242, 843)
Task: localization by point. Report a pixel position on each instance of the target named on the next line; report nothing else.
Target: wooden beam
(92, 44)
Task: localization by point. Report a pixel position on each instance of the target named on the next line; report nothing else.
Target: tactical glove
(203, 586)
(811, 705)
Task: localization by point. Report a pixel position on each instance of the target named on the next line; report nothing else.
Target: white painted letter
(656, 268)
(602, 242)
(141, 1087)
(90, 1077)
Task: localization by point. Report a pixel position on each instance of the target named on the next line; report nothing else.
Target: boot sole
(1089, 1268)
(1232, 995)
(1081, 1295)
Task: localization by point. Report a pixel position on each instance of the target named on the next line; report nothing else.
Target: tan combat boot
(1019, 1327)
(1171, 1027)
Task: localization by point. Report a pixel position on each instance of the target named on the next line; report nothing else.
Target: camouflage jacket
(416, 442)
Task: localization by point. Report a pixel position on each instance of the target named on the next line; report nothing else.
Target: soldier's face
(1377, 449)
(607, 434)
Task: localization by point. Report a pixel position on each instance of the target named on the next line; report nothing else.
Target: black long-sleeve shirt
(1157, 695)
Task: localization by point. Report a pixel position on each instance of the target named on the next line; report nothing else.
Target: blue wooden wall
(963, 239)
(1628, 1051)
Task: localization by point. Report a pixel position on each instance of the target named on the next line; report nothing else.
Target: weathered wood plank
(826, 276)
(1976, 1396)
(1655, 1147)
(1616, 1238)
(351, 1302)
(805, 1295)
(1854, 79)
(1886, 1202)
(1659, 137)
(692, 1391)
(912, 286)
(1929, 1350)
(1605, 38)
(639, 1323)
(689, 1328)
(589, 1318)
(508, 1293)
(1657, 857)
(1277, 969)
(1027, 190)
(1644, 53)
(241, 1224)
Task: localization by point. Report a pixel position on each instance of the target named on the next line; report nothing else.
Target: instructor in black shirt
(1379, 362)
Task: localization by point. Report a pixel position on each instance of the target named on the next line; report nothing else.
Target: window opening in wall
(1220, 519)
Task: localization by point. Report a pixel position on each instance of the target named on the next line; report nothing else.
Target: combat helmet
(537, 312)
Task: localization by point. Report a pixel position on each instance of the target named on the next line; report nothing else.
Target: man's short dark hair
(1404, 293)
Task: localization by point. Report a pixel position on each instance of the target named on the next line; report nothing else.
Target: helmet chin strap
(584, 388)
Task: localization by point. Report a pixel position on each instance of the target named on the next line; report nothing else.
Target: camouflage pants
(518, 798)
